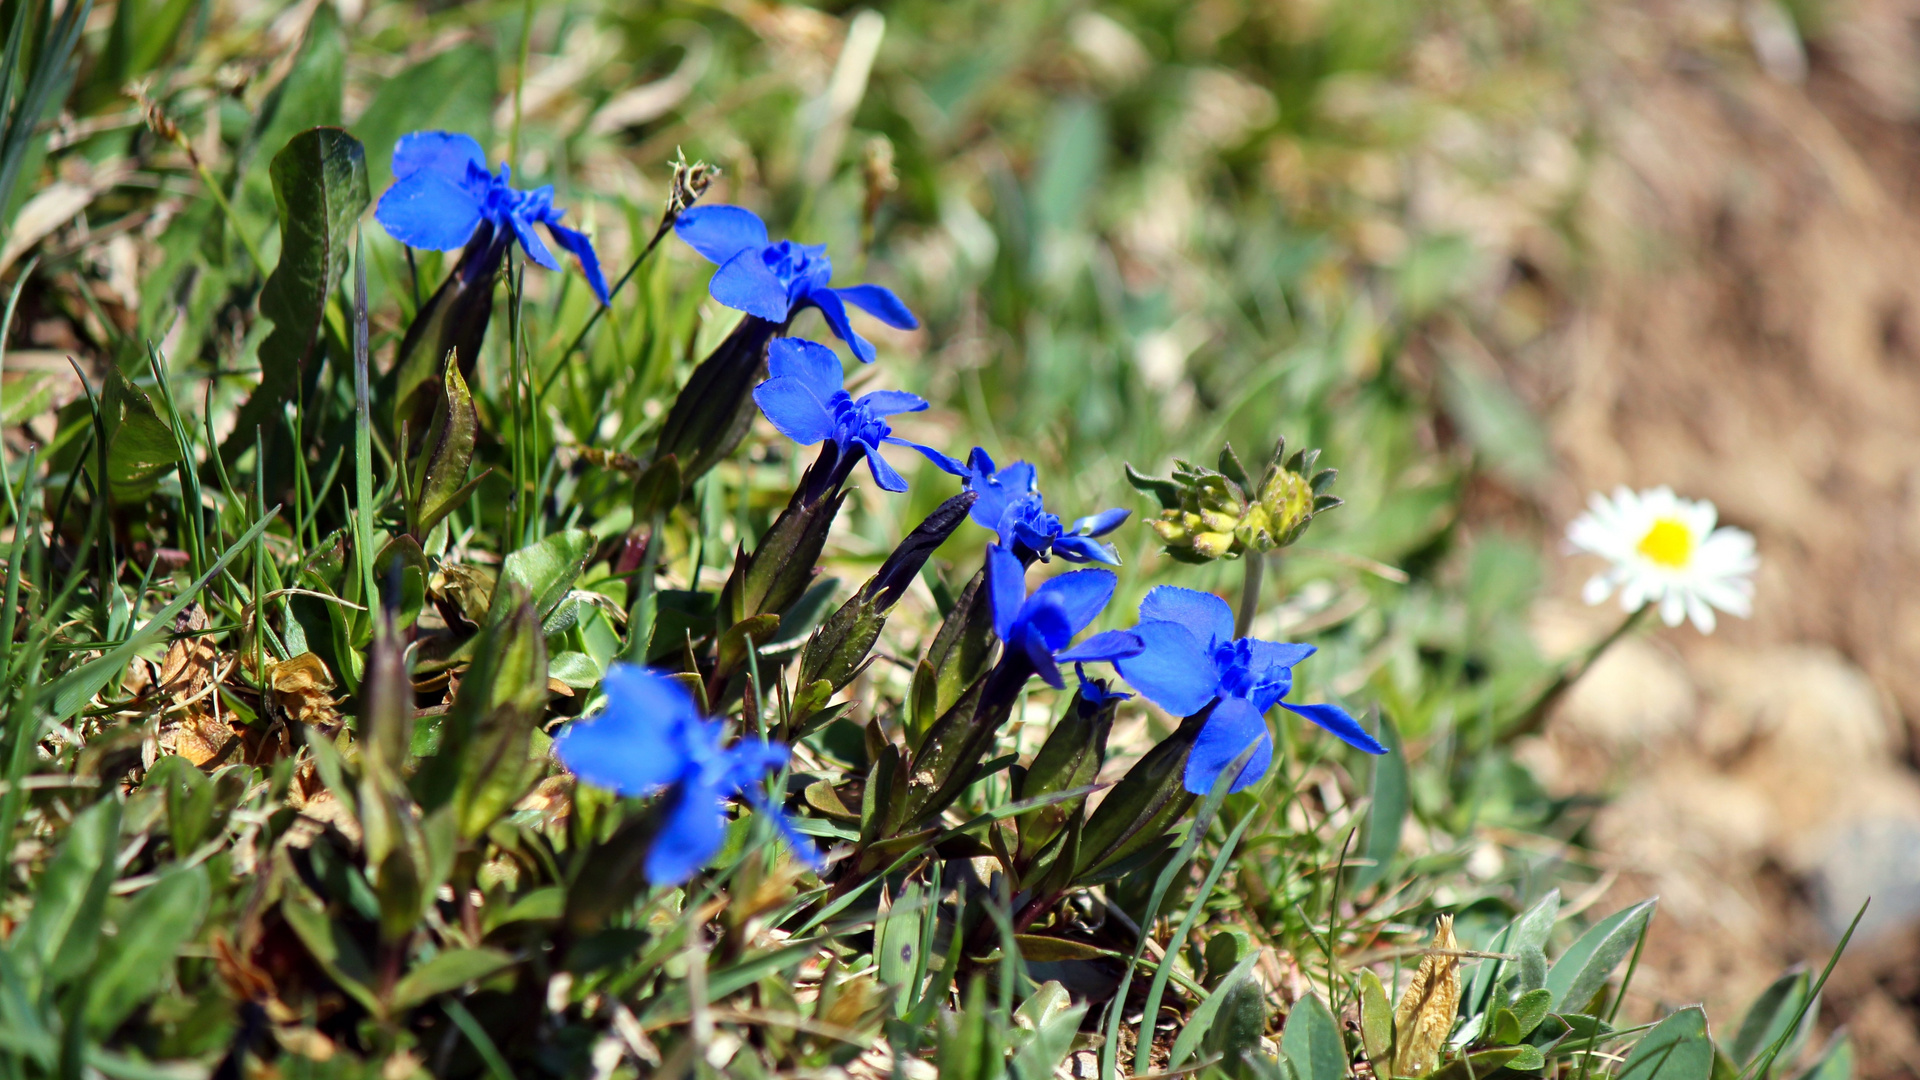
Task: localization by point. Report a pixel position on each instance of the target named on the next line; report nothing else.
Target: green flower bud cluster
(1208, 514)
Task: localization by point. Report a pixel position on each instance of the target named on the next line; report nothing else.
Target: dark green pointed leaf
(329, 943)
(1039, 949)
(1480, 1063)
(1676, 1049)
(1070, 758)
(1584, 968)
(1768, 1017)
(446, 972)
(320, 185)
(1835, 1064)
(439, 483)
(1530, 1008)
(141, 446)
(1144, 804)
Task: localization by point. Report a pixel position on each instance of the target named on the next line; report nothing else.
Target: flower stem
(1249, 592)
(1534, 715)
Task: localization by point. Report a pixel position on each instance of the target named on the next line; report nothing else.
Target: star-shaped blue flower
(1190, 658)
(772, 281)
(442, 192)
(651, 737)
(1037, 629)
(1011, 505)
(805, 398)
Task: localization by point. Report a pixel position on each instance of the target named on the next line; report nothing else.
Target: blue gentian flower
(773, 281)
(1037, 629)
(1095, 691)
(442, 194)
(806, 400)
(651, 737)
(1011, 505)
(1190, 658)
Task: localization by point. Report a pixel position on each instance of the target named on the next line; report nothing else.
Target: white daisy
(1665, 550)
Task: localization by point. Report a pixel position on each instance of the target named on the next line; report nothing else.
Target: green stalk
(1256, 564)
(1535, 714)
(362, 426)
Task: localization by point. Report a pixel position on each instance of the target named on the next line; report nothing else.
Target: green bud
(715, 408)
(1070, 758)
(1207, 514)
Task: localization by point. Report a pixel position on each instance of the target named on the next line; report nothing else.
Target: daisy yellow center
(1669, 542)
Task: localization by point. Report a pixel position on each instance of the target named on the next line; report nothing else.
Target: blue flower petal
(940, 460)
(691, 832)
(428, 210)
(581, 246)
(1042, 629)
(809, 361)
(445, 152)
(531, 243)
(1081, 594)
(1336, 720)
(750, 759)
(639, 743)
(1233, 727)
(1095, 690)
(884, 473)
(1270, 658)
(1208, 616)
(891, 402)
(836, 315)
(880, 303)
(1006, 588)
(791, 407)
(1174, 669)
(979, 462)
(721, 232)
(1079, 549)
(1108, 645)
(1100, 524)
(744, 283)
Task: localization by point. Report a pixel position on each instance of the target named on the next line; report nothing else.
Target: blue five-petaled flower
(651, 737)
(1011, 505)
(805, 398)
(1037, 629)
(1190, 658)
(772, 281)
(442, 192)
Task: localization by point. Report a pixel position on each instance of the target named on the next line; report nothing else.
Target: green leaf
(1376, 1022)
(1676, 1049)
(1388, 810)
(439, 482)
(1835, 1064)
(451, 91)
(1238, 1027)
(446, 972)
(1480, 1063)
(1508, 437)
(141, 446)
(546, 571)
(1530, 1008)
(1584, 968)
(1530, 929)
(320, 187)
(1768, 1017)
(1052, 1040)
(1038, 949)
(162, 918)
(329, 943)
(1311, 1042)
(1072, 159)
(62, 928)
(1195, 1028)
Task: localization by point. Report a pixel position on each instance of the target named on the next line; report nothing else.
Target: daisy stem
(1535, 714)
(1256, 562)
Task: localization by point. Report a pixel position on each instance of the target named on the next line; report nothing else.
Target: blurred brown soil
(1747, 263)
